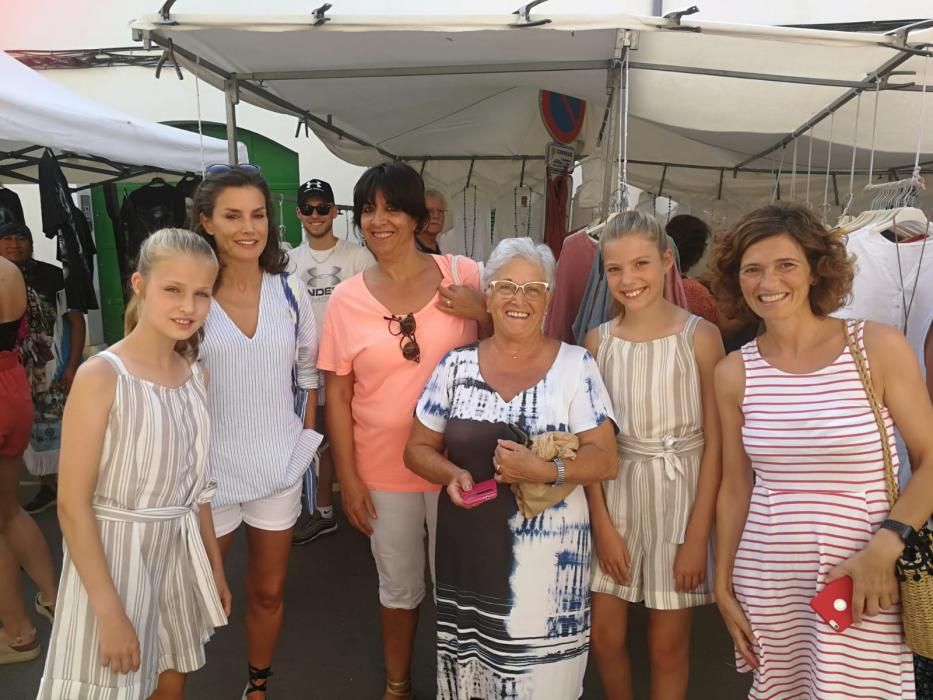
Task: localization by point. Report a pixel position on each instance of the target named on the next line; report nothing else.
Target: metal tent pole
(231, 97)
(849, 95)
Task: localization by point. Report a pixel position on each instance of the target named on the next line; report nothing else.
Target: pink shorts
(15, 406)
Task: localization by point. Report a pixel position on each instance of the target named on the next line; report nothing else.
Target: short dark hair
(400, 184)
(690, 234)
(272, 259)
(833, 269)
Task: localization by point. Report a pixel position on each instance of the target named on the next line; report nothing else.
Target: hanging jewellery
(469, 244)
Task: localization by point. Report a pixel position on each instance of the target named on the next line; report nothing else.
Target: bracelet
(561, 472)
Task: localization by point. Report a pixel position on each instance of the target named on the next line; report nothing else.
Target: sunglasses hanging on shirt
(406, 329)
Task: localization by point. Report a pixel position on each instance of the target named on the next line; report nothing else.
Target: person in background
(426, 237)
(143, 584)
(52, 353)
(691, 235)
(322, 261)
(523, 581)
(804, 499)
(21, 542)
(384, 332)
(260, 347)
(652, 521)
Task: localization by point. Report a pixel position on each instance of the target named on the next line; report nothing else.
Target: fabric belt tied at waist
(669, 449)
(191, 532)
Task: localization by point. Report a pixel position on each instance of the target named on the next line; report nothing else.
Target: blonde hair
(160, 245)
(631, 221)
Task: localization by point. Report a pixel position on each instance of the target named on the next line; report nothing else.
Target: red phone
(834, 603)
(481, 492)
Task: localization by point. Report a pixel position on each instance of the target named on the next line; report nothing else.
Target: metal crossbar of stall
(252, 82)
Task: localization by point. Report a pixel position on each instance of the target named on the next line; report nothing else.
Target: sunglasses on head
(321, 209)
(223, 168)
(406, 329)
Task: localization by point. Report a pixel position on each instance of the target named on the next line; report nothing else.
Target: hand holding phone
(480, 493)
(834, 604)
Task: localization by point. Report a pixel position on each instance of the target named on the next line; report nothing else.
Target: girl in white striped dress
(142, 584)
(803, 500)
(651, 524)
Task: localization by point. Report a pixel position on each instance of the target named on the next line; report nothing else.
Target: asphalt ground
(330, 645)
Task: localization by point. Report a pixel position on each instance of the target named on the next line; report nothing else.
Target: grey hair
(525, 248)
(633, 221)
(438, 194)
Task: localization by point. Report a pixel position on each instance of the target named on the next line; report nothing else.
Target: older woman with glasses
(513, 591)
(384, 332)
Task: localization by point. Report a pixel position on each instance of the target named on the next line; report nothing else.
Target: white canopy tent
(92, 142)
(715, 111)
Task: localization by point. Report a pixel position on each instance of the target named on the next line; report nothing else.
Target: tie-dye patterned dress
(513, 600)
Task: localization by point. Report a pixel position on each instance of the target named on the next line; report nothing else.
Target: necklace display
(469, 242)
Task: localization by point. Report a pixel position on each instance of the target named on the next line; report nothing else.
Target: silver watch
(559, 463)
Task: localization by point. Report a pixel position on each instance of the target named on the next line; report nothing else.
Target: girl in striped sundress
(651, 524)
(796, 415)
(142, 584)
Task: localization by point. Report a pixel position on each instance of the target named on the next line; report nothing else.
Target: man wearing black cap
(322, 261)
(52, 353)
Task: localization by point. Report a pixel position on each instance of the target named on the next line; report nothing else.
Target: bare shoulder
(95, 379)
(591, 341)
(729, 376)
(889, 353)
(881, 338)
(97, 369)
(708, 338)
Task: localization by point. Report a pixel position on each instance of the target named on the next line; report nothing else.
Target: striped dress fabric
(152, 478)
(655, 389)
(819, 495)
(260, 446)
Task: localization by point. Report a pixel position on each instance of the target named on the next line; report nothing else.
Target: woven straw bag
(914, 569)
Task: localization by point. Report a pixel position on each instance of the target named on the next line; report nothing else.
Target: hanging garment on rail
(66, 223)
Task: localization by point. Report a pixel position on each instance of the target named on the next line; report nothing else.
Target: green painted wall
(280, 168)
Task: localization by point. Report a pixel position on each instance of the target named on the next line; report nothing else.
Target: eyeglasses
(321, 209)
(506, 289)
(224, 168)
(436, 212)
(406, 329)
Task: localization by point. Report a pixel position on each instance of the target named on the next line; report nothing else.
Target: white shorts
(273, 513)
(397, 544)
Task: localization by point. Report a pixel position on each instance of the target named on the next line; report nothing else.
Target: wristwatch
(902, 530)
(559, 463)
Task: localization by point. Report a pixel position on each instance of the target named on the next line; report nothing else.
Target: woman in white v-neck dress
(260, 348)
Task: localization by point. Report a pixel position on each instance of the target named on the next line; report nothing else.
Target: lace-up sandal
(257, 676)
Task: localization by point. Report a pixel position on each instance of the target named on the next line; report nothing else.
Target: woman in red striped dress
(803, 498)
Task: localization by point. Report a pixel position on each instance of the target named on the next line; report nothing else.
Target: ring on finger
(449, 303)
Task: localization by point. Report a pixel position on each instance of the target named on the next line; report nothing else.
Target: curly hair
(833, 269)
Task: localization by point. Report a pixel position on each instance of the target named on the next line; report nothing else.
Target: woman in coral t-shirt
(384, 332)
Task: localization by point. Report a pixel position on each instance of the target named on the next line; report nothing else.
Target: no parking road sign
(562, 115)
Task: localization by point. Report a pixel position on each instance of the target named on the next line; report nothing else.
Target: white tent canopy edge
(93, 142)
(461, 93)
